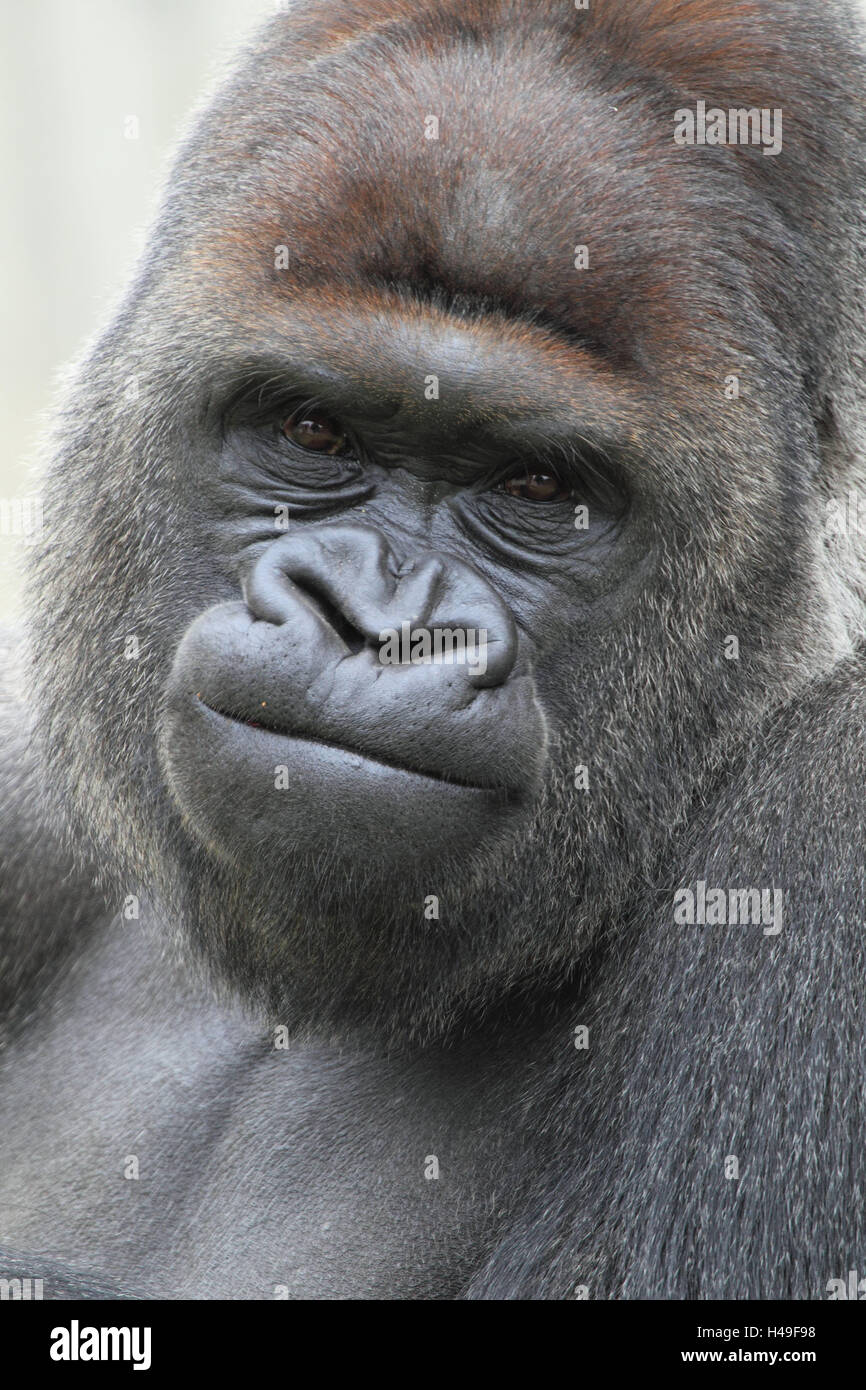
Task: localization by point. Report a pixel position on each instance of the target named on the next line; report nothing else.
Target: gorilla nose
(360, 591)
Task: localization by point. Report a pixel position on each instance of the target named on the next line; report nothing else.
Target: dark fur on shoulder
(556, 129)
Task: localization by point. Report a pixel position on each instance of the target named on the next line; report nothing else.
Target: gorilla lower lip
(506, 795)
(253, 796)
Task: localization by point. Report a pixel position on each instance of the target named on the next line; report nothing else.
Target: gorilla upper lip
(276, 730)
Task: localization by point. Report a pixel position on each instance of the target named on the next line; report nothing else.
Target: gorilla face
(363, 386)
(335, 790)
(285, 731)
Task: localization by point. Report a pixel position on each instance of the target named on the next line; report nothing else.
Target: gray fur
(303, 1170)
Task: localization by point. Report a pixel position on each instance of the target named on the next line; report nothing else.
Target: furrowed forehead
(460, 173)
(471, 150)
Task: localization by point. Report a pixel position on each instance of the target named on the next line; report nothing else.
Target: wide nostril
(333, 615)
(349, 581)
(401, 569)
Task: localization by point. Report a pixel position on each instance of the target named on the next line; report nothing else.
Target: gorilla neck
(393, 964)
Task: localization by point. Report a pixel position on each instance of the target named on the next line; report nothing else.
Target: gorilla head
(441, 331)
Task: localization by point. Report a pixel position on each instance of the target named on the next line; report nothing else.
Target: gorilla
(433, 853)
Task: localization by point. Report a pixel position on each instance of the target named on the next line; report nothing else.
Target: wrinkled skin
(293, 926)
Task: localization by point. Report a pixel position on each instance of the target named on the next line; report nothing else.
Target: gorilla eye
(537, 487)
(312, 430)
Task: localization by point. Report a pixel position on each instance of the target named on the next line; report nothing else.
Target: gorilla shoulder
(48, 900)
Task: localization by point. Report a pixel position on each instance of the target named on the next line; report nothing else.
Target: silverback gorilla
(533, 975)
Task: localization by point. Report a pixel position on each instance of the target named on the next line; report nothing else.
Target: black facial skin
(393, 766)
(294, 756)
(284, 920)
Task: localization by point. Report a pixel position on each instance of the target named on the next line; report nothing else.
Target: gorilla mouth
(384, 768)
(507, 796)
